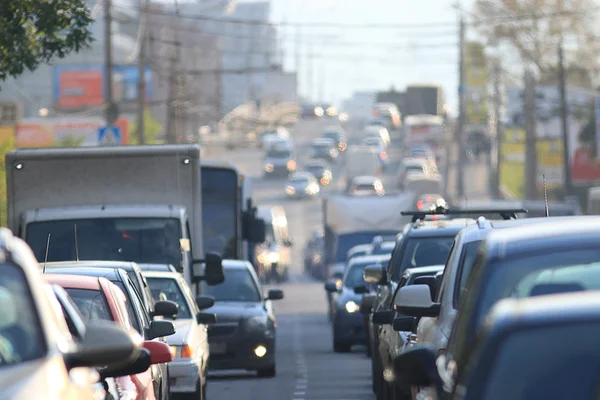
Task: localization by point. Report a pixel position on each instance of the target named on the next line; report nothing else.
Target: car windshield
(383, 249)
(354, 275)
(364, 186)
(347, 241)
(468, 253)
(357, 253)
(332, 135)
(141, 240)
(315, 169)
(321, 146)
(299, 179)
(168, 289)
(570, 371)
(414, 168)
(21, 335)
(91, 303)
(424, 252)
(279, 154)
(238, 286)
(553, 272)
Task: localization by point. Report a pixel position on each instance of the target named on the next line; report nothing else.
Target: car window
(91, 304)
(187, 292)
(168, 289)
(569, 371)
(424, 252)
(21, 336)
(138, 305)
(238, 286)
(121, 303)
(467, 258)
(134, 317)
(354, 275)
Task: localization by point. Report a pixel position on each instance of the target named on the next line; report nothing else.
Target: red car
(99, 298)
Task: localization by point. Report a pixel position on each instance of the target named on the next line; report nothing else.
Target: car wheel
(267, 372)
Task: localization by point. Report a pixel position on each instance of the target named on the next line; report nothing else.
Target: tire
(269, 372)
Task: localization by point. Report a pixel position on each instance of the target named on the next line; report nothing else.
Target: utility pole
(460, 126)
(530, 137)
(171, 128)
(141, 131)
(111, 112)
(564, 116)
(322, 79)
(309, 73)
(249, 63)
(297, 55)
(497, 73)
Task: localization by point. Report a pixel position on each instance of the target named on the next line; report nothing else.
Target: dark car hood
(233, 311)
(348, 295)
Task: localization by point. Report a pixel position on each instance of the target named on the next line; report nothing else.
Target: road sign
(109, 136)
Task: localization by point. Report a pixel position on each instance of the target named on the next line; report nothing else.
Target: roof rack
(508, 213)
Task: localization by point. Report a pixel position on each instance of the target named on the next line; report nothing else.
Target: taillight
(383, 155)
(375, 113)
(419, 205)
(186, 351)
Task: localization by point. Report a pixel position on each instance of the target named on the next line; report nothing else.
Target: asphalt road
(307, 367)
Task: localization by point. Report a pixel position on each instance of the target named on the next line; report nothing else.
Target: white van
(273, 257)
(361, 161)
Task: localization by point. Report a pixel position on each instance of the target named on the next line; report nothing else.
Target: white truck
(350, 220)
(361, 161)
(122, 203)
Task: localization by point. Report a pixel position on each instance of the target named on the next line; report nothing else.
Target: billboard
(82, 86)
(64, 132)
(476, 84)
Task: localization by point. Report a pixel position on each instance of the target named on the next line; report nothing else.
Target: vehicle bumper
(240, 353)
(350, 327)
(183, 376)
(278, 171)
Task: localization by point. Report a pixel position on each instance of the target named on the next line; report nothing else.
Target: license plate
(218, 348)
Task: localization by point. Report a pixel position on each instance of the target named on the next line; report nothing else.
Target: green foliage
(33, 32)
(5, 147)
(69, 141)
(151, 127)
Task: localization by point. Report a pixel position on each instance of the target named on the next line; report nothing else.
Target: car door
(200, 332)
(387, 333)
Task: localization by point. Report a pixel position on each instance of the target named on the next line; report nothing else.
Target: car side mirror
(417, 366)
(255, 229)
(404, 324)
(210, 270)
(204, 302)
(160, 328)
(104, 343)
(361, 289)
(159, 352)
(429, 281)
(275, 294)
(137, 366)
(204, 318)
(415, 301)
(375, 274)
(385, 317)
(366, 304)
(165, 308)
(332, 286)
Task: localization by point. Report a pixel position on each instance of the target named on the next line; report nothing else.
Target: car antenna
(46, 256)
(76, 244)
(545, 195)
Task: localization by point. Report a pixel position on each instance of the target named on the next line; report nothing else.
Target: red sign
(585, 167)
(80, 88)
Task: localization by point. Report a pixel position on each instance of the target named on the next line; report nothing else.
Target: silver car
(302, 184)
(187, 372)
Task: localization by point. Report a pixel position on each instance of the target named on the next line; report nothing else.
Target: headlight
(291, 165)
(269, 167)
(273, 258)
(290, 190)
(352, 307)
(258, 323)
(316, 258)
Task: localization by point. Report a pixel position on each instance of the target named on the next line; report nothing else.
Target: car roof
(111, 274)
(301, 174)
(544, 235)
(441, 228)
(316, 162)
(508, 315)
(375, 259)
(424, 270)
(157, 267)
(364, 179)
(323, 140)
(162, 274)
(74, 281)
(126, 265)
(387, 245)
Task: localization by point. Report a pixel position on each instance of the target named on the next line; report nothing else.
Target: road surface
(307, 367)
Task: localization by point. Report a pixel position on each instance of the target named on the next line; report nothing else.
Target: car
(97, 299)
(381, 247)
(510, 358)
(389, 113)
(366, 185)
(274, 256)
(157, 267)
(302, 185)
(377, 144)
(348, 324)
(549, 256)
(314, 257)
(422, 184)
(40, 357)
(244, 336)
(338, 135)
(146, 324)
(330, 110)
(280, 159)
(393, 339)
(324, 148)
(428, 201)
(378, 132)
(188, 372)
(321, 170)
(272, 134)
(411, 165)
(421, 150)
(422, 244)
(311, 111)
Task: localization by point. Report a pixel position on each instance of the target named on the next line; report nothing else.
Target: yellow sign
(475, 84)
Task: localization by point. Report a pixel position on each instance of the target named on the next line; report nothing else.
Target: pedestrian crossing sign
(109, 136)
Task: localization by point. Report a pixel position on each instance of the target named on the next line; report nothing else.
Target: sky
(418, 45)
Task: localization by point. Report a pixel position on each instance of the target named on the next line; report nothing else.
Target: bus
(229, 222)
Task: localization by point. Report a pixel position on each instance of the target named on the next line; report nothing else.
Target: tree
(536, 27)
(151, 127)
(33, 32)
